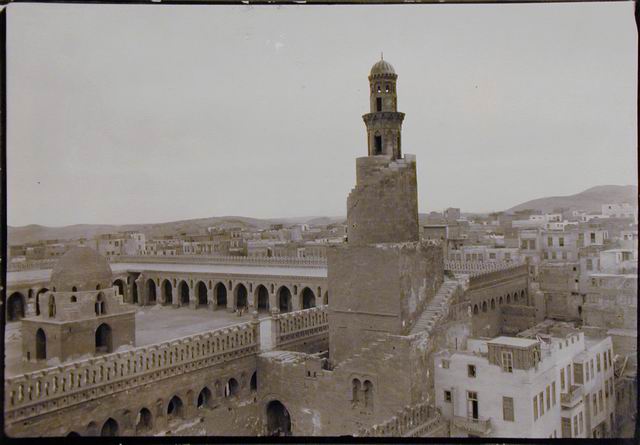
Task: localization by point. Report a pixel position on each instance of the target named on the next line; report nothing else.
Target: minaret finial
(381, 55)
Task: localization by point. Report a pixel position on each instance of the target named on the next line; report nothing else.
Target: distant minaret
(384, 122)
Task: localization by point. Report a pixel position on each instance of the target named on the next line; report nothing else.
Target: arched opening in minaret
(378, 104)
(377, 145)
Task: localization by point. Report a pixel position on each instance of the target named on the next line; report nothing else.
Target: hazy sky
(132, 114)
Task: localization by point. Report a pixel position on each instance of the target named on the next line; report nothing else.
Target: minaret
(381, 278)
(384, 122)
(383, 207)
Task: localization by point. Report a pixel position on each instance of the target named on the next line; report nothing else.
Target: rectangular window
(566, 427)
(575, 425)
(561, 241)
(581, 422)
(609, 357)
(564, 255)
(553, 392)
(562, 379)
(595, 405)
(507, 256)
(507, 409)
(535, 408)
(541, 402)
(589, 264)
(378, 104)
(548, 397)
(577, 374)
(569, 374)
(507, 361)
(447, 396)
(492, 256)
(598, 362)
(545, 255)
(549, 241)
(600, 400)
(593, 237)
(586, 371)
(471, 371)
(532, 244)
(604, 360)
(591, 368)
(553, 255)
(445, 364)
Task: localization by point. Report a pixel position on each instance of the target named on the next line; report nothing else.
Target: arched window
(74, 289)
(144, 421)
(100, 304)
(41, 345)
(232, 388)
(484, 306)
(355, 392)
(254, 382)
(73, 299)
(475, 308)
(368, 394)
(52, 306)
(493, 303)
(204, 398)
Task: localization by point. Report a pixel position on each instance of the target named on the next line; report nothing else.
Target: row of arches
(174, 410)
(486, 305)
(239, 294)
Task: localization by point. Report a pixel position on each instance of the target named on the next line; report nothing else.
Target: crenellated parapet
(232, 260)
(299, 326)
(43, 391)
(421, 420)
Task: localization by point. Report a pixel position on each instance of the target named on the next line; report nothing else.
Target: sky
(122, 114)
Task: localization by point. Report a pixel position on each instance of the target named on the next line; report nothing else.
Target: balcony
(480, 425)
(571, 398)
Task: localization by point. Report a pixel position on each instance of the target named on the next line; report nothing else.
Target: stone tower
(380, 280)
(384, 122)
(383, 207)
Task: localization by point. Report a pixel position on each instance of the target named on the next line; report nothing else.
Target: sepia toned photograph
(303, 220)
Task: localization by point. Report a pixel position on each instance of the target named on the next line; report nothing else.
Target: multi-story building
(624, 210)
(551, 387)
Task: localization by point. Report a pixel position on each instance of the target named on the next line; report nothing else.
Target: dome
(382, 67)
(82, 268)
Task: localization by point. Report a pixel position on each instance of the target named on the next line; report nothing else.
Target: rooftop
(513, 341)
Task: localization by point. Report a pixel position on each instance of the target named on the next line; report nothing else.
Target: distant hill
(34, 232)
(590, 200)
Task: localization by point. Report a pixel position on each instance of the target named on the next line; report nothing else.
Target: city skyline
(210, 139)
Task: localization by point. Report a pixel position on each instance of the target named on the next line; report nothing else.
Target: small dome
(82, 268)
(382, 67)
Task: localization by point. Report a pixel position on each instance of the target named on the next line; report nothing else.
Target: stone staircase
(437, 308)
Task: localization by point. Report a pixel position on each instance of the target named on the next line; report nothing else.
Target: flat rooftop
(24, 276)
(513, 341)
(154, 324)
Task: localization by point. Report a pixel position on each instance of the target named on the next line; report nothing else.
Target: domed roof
(382, 67)
(82, 268)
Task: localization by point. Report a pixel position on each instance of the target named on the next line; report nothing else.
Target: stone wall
(123, 377)
(421, 420)
(306, 330)
(383, 206)
(517, 318)
(378, 288)
(212, 259)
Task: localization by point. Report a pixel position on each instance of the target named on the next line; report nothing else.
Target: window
(447, 396)
(561, 241)
(492, 256)
(535, 408)
(545, 255)
(609, 357)
(378, 145)
(378, 104)
(595, 405)
(553, 392)
(575, 425)
(549, 241)
(593, 237)
(581, 422)
(507, 409)
(604, 359)
(598, 362)
(548, 397)
(589, 264)
(586, 371)
(541, 402)
(553, 255)
(564, 256)
(591, 367)
(562, 379)
(600, 400)
(445, 364)
(471, 371)
(507, 361)
(507, 256)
